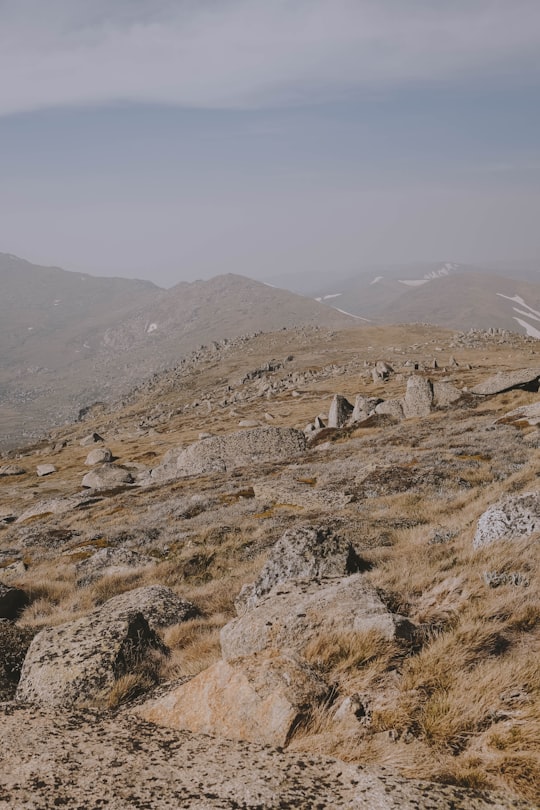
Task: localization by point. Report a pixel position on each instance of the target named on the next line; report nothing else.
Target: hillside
(337, 607)
(70, 339)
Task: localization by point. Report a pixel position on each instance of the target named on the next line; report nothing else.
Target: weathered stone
(260, 698)
(527, 378)
(381, 371)
(340, 411)
(93, 438)
(221, 453)
(11, 469)
(418, 397)
(303, 552)
(391, 407)
(160, 605)
(110, 562)
(294, 613)
(12, 601)
(45, 469)
(512, 518)
(525, 415)
(101, 455)
(107, 476)
(363, 407)
(445, 393)
(75, 662)
(287, 489)
(76, 759)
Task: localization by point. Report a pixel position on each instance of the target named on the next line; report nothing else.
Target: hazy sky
(178, 139)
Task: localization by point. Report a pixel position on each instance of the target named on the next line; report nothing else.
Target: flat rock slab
(107, 476)
(526, 415)
(261, 698)
(506, 380)
(512, 518)
(293, 614)
(11, 469)
(84, 760)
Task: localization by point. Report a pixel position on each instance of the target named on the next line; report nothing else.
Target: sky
(180, 139)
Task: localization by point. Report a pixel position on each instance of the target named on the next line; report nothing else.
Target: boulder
(527, 378)
(45, 469)
(101, 455)
(526, 415)
(418, 397)
(160, 605)
(221, 453)
(288, 489)
(303, 552)
(512, 518)
(107, 476)
(75, 662)
(391, 407)
(340, 411)
(363, 407)
(93, 438)
(11, 469)
(381, 371)
(293, 614)
(110, 562)
(12, 601)
(261, 698)
(445, 393)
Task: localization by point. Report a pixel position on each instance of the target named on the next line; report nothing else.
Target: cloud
(252, 53)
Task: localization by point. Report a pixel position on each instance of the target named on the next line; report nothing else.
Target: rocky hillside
(317, 547)
(71, 339)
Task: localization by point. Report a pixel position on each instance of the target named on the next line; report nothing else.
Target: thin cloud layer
(245, 54)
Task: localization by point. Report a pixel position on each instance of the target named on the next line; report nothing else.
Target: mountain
(446, 294)
(70, 339)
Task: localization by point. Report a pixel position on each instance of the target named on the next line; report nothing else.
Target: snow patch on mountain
(350, 314)
(413, 282)
(530, 330)
(151, 328)
(376, 280)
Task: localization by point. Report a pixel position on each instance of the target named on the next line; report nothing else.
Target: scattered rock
(101, 455)
(494, 579)
(512, 518)
(391, 407)
(45, 469)
(381, 371)
(526, 378)
(261, 698)
(93, 438)
(303, 552)
(160, 605)
(294, 613)
(107, 476)
(11, 469)
(445, 393)
(363, 407)
(340, 411)
(74, 663)
(418, 397)
(12, 601)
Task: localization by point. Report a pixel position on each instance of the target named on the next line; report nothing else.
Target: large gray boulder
(74, 663)
(101, 455)
(363, 407)
(293, 614)
(107, 476)
(418, 398)
(261, 698)
(445, 394)
(506, 380)
(306, 553)
(526, 415)
(512, 518)
(221, 453)
(160, 605)
(391, 407)
(340, 411)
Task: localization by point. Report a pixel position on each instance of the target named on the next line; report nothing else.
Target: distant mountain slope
(70, 339)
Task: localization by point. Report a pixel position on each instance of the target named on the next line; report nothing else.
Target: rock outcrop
(305, 553)
(107, 476)
(101, 455)
(261, 698)
(340, 411)
(526, 415)
(221, 453)
(512, 518)
(293, 614)
(418, 398)
(110, 562)
(528, 378)
(160, 605)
